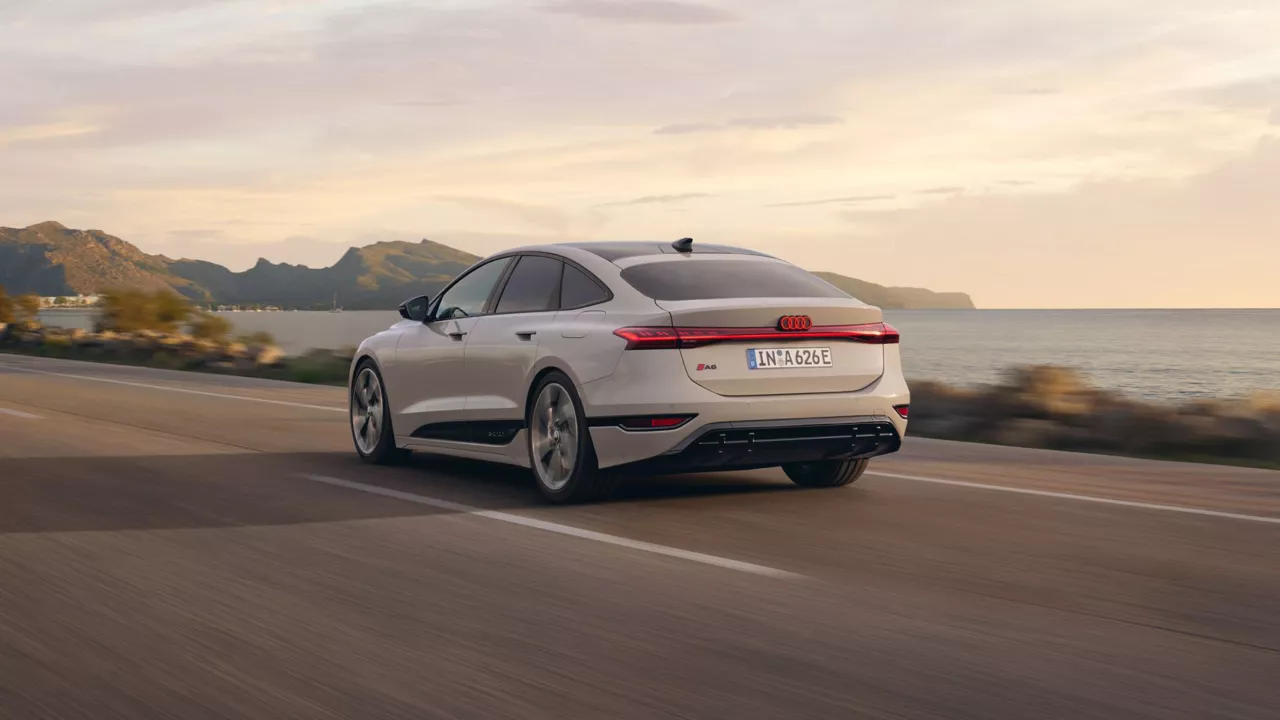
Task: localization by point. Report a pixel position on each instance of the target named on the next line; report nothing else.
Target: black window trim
(494, 299)
(488, 303)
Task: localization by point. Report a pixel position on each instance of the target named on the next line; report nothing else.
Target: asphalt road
(188, 546)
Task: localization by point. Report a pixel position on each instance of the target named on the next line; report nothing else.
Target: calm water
(1165, 354)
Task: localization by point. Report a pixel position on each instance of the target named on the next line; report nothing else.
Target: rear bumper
(630, 392)
(745, 445)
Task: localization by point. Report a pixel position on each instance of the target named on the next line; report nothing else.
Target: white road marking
(168, 388)
(557, 528)
(19, 414)
(1083, 498)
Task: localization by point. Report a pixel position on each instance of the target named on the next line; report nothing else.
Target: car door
(503, 348)
(428, 381)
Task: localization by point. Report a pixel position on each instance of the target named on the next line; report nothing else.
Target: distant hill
(49, 260)
(898, 298)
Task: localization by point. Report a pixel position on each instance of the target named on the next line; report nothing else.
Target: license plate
(785, 358)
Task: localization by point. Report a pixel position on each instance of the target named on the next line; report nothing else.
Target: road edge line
(186, 391)
(569, 530)
(1083, 498)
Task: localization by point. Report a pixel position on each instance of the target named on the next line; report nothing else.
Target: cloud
(854, 199)
(538, 216)
(685, 129)
(46, 131)
(781, 122)
(948, 190)
(786, 122)
(1252, 93)
(1034, 91)
(657, 12)
(658, 199)
(21, 12)
(1275, 116)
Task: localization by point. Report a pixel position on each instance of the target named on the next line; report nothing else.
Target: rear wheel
(827, 473)
(560, 451)
(371, 419)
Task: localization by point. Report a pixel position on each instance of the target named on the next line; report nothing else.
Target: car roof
(614, 251)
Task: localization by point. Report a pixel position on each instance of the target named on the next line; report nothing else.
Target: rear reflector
(902, 410)
(660, 338)
(654, 422)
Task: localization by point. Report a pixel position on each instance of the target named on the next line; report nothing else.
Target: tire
(827, 473)
(561, 456)
(372, 433)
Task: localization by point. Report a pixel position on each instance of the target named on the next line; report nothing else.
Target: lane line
(557, 528)
(1083, 498)
(166, 388)
(19, 414)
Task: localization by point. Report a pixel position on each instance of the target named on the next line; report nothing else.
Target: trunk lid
(735, 347)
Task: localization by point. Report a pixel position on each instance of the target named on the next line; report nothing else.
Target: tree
(134, 310)
(171, 311)
(208, 326)
(28, 307)
(258, 339)
(6, 307)
(60, 301)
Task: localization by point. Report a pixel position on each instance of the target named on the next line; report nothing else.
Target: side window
(468, 296)
(579, 290)
(534, 286)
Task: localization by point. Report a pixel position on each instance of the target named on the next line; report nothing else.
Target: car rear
(755, 355)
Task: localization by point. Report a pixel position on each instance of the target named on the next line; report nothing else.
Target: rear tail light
(666, 338)
(902, 410)
(654, 422)
(649, 338)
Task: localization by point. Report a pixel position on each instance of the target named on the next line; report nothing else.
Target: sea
(1167, 355)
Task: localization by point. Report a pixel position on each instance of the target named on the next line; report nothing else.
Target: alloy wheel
(366, 411)
(554, 428)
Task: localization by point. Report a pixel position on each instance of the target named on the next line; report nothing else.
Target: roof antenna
(683, 245)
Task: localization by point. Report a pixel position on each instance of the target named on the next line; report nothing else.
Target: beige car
(586, 362)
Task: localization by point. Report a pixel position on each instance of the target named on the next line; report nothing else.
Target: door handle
(457, 334)
(526, 334)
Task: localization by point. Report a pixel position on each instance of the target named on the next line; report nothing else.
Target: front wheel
(827, 473)
(560, 451)
(371, 419)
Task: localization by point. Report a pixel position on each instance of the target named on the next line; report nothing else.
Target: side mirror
(416, 309)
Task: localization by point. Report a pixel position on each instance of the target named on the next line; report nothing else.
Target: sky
(1033, 153)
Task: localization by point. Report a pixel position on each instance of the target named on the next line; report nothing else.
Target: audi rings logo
(795, 323)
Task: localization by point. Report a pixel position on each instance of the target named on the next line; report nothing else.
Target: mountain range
(50, 259)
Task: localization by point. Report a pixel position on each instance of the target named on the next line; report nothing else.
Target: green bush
(134, 310)
(207, 326)
(262, 339)
(28, 307)
(6, 307)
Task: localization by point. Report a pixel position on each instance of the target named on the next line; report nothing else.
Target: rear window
(725, 279)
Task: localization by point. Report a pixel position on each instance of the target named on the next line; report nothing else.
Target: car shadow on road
(504, 479)
(228, 490)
